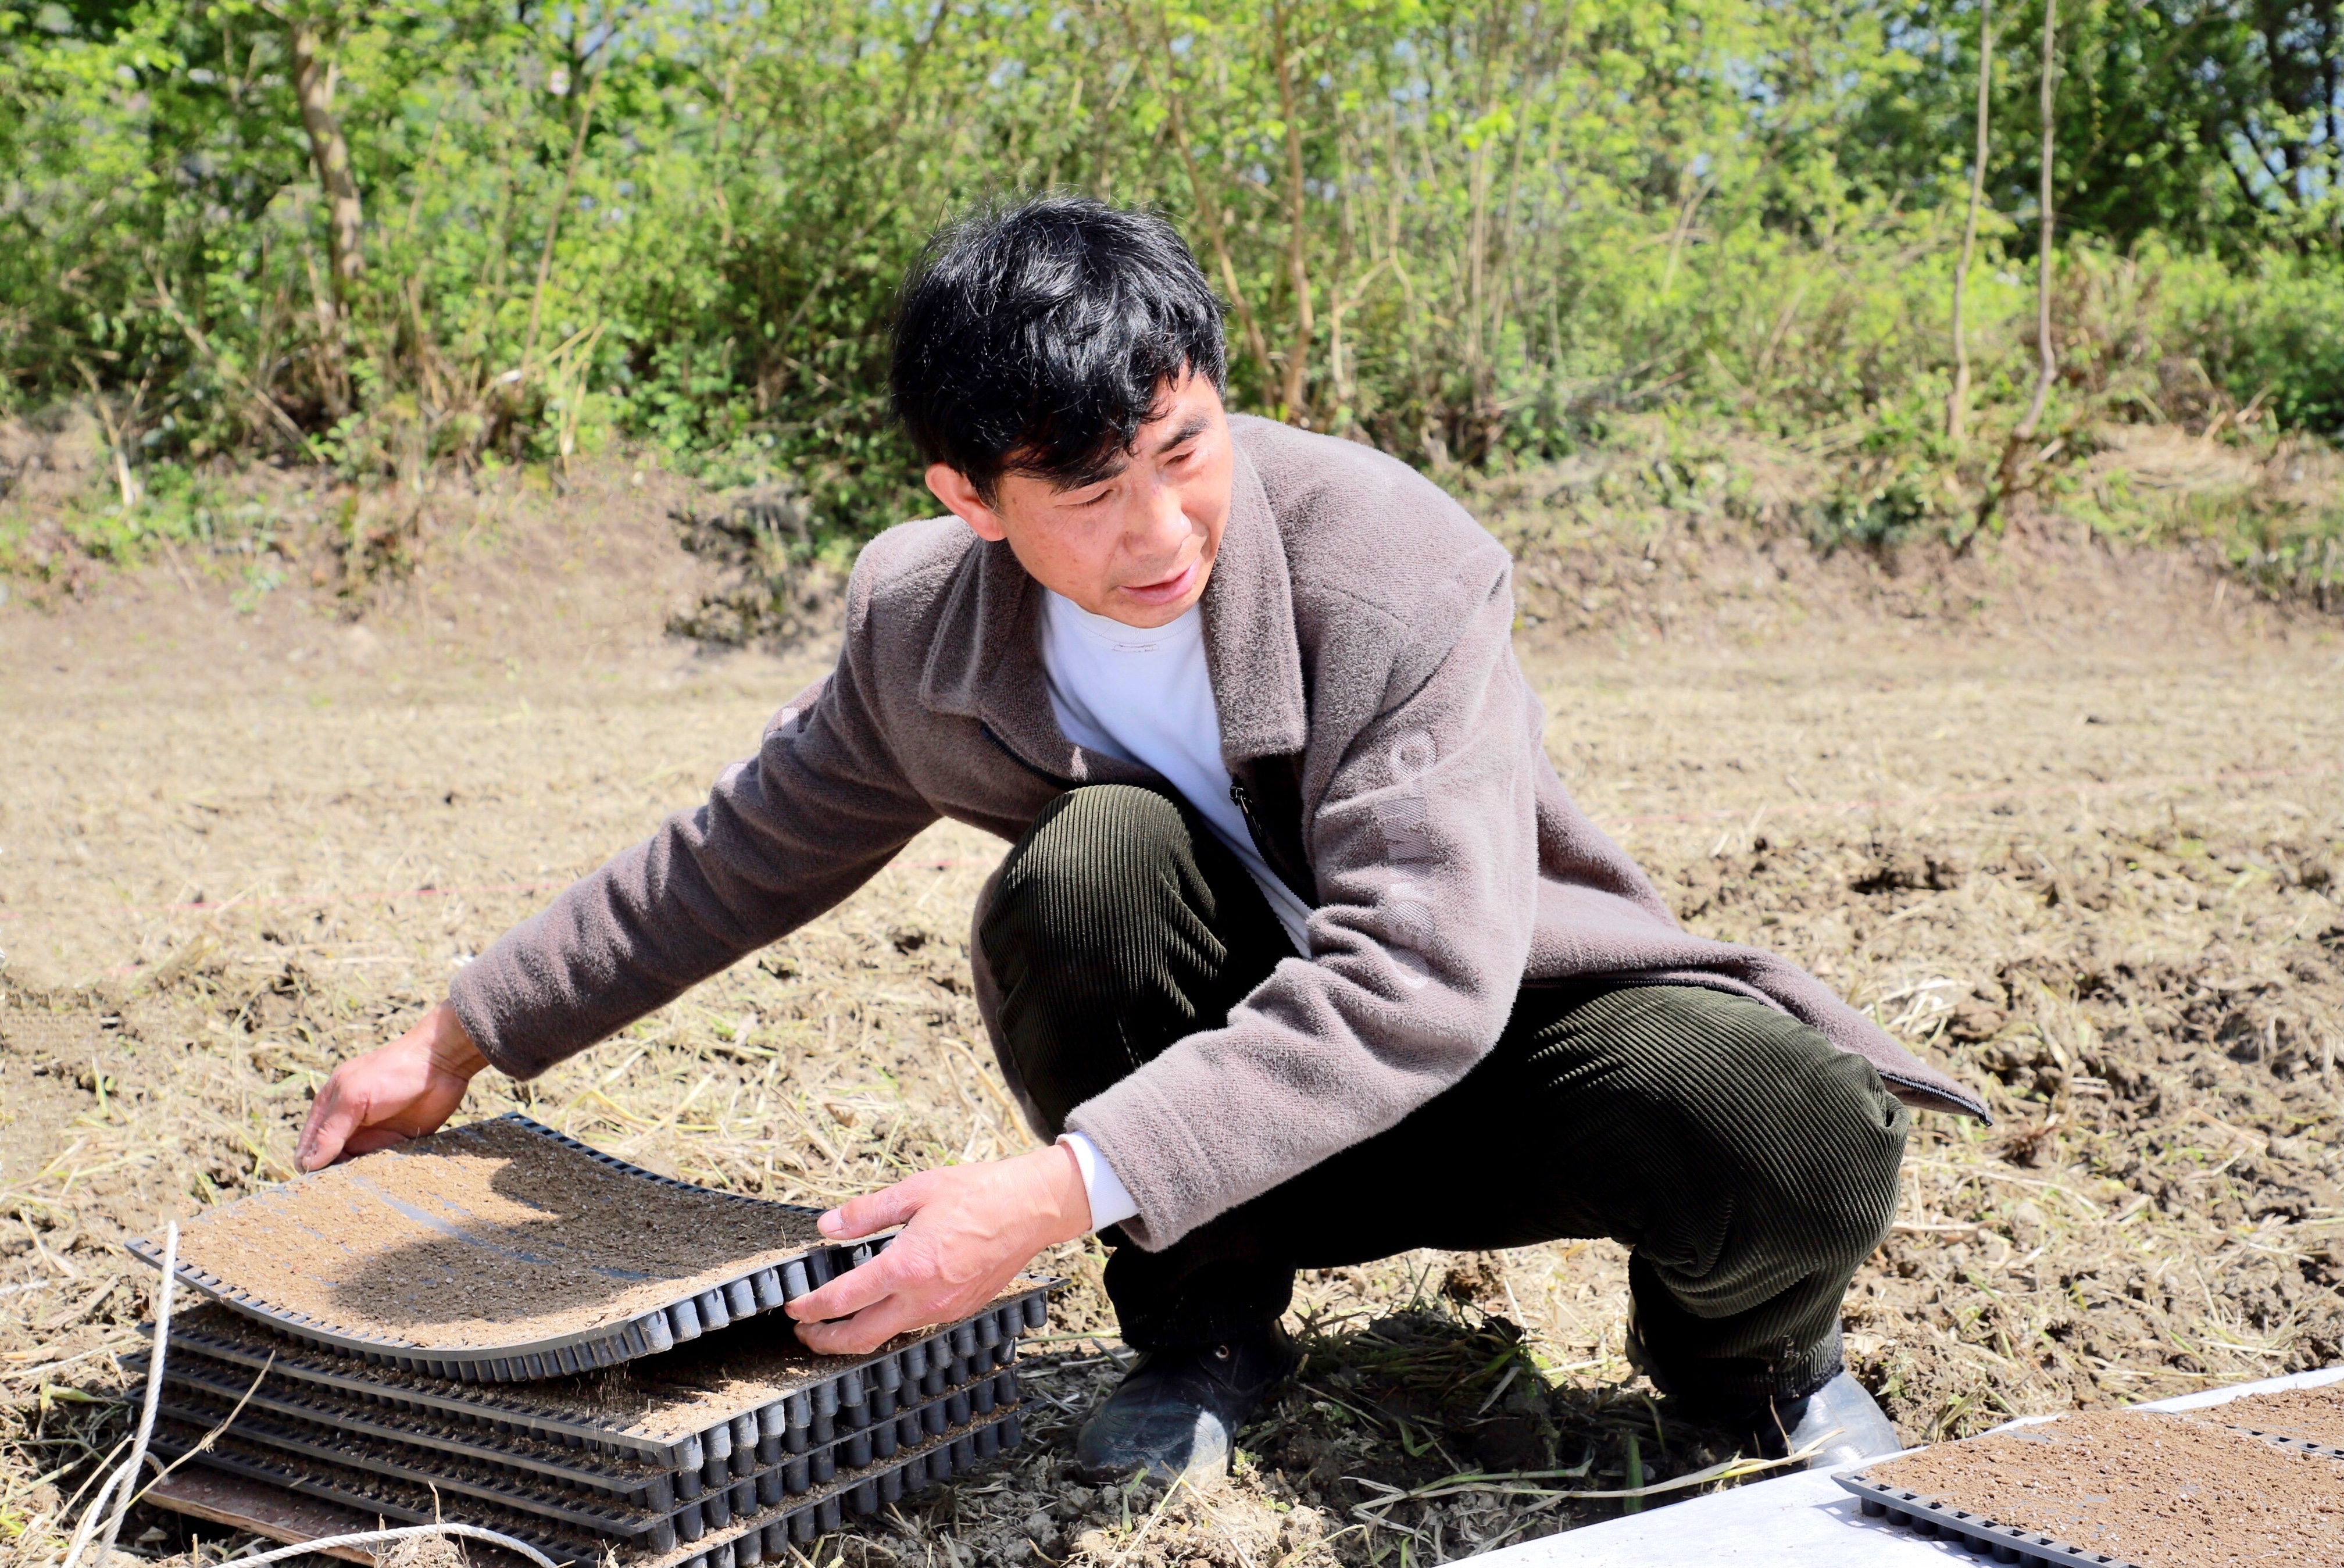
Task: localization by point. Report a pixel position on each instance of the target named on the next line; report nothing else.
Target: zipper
(1243, 797)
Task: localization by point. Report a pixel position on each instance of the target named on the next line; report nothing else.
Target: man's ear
(953, 488)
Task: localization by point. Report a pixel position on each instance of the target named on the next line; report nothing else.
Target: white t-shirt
(1146, 696)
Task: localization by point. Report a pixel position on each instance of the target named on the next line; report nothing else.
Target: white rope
(131, 1466)
(122, 1489)
(89, 1519)
(121, 1484)
(369, 1537)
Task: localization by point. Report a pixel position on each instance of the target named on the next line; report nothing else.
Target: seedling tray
(798, 1401)
(2170, 1486)
(1927, 1516)
(325, 1258)
(209, 1391)
(2280, 1439)
(648, 1515)
(743, 1542)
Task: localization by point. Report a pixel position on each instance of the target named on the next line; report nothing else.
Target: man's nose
(1159, 525)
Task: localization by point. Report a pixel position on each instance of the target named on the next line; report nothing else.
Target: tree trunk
(553, 227)
(313, 85)
(1208, 206)
(1296, 390)
(2327, 112)
(2046, 360)
(1958, 401)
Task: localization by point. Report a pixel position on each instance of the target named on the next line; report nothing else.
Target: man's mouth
(1164, 590)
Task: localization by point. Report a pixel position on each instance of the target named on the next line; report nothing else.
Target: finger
(859, 1217)
(318, 1103)
(333, 1117)
(852, 1291)
(366, 1140)
(863, 1332)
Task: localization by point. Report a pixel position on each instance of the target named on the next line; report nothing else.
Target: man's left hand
(967, 1231)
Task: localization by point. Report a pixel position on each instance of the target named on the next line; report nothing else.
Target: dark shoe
(1840, 1415)
(1177, 1410)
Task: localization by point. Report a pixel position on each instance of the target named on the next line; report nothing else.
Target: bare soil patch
(485, 1235)
(2158, 1491)
(2082, 848)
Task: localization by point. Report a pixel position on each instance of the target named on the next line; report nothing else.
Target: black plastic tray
(647, 1333)
(1926, 1516)
(742, 1543)
(2299, 1444)
(217, 1388)
(2008, 1544)
(651, 1517)
(837, 1397)
(767, 1535)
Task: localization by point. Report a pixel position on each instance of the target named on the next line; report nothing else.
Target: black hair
(1035, 339)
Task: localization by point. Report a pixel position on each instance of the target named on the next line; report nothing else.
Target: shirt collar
(986, 661)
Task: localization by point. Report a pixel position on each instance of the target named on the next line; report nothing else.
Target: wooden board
(255, 1508)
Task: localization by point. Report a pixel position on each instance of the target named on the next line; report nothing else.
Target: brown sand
(2313, 1415)
(2164, 1491)
(485, 1235)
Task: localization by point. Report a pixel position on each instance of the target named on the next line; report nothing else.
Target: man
(1301, 953)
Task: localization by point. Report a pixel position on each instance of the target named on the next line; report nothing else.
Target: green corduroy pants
(1747, 1164)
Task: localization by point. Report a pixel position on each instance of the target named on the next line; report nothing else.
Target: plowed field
(2089, 854)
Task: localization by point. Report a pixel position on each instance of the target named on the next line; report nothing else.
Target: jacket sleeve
(783, 837)
(1423, 837)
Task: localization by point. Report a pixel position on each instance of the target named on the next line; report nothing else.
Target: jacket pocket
(1268, 792)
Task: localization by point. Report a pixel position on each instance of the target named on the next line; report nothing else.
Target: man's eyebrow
(1113, 463)
(1096, 473)
(1196, 425)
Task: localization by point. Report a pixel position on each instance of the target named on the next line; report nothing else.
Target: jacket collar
(1250, 644)
(985, 662)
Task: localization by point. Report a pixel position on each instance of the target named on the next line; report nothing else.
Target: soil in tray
(2164, 1491)
(2313, 1415)
(485, 1236)
(659, 1399)
(719, 1376)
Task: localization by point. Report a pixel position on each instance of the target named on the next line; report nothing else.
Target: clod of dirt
(488, 1235)
(2160, 1491)
(1475, 1279)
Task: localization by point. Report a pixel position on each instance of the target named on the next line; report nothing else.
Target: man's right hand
(401, 1090)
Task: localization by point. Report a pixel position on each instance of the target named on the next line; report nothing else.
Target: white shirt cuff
(1111, 1204)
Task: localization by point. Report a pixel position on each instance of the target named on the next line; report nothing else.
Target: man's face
(1136, 546)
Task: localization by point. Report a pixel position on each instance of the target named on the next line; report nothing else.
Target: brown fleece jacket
(1381, 735)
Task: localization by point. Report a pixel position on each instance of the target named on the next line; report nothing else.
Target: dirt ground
(2071, 825)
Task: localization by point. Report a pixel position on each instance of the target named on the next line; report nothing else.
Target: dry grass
(2096, 870)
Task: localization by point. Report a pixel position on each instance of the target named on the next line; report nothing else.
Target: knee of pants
(1745, 1104)
(1839, 1178)
(1083, 883)
(1071, 934)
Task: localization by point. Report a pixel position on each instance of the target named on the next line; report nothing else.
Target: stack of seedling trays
(2257, 1479)
(498, 1326)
